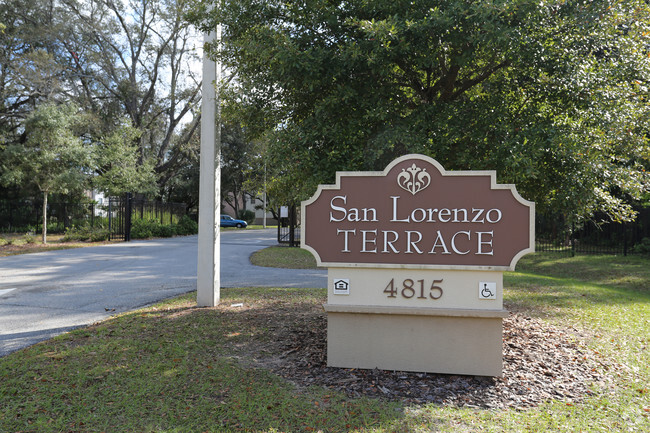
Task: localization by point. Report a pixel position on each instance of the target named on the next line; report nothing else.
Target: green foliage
(119, 170)
(246, 215)
(75, 52)
(29, 238)
(552, 95)
(53, 156)
(187, 226)
(85, 233)
(145, 228)
(184, 186)
(236, 151)
(98, 235)
(642, 247)
(164, 231)
(150, 228)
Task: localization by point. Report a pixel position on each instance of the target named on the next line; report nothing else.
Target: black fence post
(110, 218)
(572, 239)
(292, 225)
(127, 217)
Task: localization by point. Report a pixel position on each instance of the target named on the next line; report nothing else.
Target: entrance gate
(288, 227)
(119, 218)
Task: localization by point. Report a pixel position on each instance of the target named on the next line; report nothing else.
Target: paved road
(46, 294)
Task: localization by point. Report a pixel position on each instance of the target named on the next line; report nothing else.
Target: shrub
(29, 238)
(74, 234)
(143, 229)
(642, 247)
(85, 233)
(162, 231)
(246, 215)
(98, 235)
(187, 226)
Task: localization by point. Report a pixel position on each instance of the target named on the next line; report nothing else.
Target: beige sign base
(449, 341)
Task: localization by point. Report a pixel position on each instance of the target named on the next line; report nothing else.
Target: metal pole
(110, 218)
(292, 225)
(127, 216)
(209, 255)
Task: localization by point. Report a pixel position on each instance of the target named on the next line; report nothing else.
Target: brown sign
(415, 214)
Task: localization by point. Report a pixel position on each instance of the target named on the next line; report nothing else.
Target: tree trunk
(235, 193)
(44, 231)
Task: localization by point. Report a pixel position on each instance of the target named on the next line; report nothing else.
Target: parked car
(228, 221)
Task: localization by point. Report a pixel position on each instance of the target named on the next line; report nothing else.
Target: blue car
(228, 221)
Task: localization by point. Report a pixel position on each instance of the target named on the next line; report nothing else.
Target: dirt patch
(13, 249)
(541, 363)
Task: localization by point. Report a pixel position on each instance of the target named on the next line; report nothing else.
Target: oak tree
(53, 157)
(551, 94)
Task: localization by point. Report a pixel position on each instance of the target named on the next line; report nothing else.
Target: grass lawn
(284, 257)
(177, 368)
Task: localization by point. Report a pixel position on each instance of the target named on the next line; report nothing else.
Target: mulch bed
(541, 363)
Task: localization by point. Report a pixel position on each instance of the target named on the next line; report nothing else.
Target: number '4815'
(411, 288)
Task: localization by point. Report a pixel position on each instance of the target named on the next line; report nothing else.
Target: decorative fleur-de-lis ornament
(413, 179)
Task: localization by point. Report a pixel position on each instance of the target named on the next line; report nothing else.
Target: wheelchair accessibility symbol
(487, 290)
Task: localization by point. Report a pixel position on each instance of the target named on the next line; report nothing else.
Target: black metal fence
(123, 210)
(162, 212)
(119, 218)
(27, 215)
(115, 214)
(289, 227)
(595, 236)
(552, 232)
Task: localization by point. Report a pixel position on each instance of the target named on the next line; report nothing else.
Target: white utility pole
(208, 282)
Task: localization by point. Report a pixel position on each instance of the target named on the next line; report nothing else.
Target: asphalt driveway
(46, 294)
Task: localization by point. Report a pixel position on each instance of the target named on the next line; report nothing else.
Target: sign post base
(415, 259)
(452, 341)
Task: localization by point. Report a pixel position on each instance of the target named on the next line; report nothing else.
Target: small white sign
(487, 290)
(342, 286)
